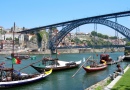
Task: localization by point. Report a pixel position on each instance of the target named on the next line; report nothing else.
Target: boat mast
(56, 49)
(13, 49)
(94, 40)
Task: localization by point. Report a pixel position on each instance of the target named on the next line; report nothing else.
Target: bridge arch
(119, 28)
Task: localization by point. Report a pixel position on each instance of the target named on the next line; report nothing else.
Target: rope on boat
(81, 67)
(29, 65)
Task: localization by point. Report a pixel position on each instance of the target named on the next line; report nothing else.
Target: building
(9, 36)
(1, 28)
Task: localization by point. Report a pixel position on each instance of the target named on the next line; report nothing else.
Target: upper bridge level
(105, 16)
(68, 26)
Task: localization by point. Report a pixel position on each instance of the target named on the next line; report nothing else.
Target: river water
(63, 80)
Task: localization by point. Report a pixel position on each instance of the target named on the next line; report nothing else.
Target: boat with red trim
(94, 66)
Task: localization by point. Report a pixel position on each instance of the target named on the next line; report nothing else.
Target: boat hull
(113, 62)
(94, 69)
(56, 68)
(9, 84)
(20, 57)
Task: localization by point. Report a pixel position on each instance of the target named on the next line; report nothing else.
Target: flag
(84, 59)
(58, 53)
(16, 61)
(33, 57)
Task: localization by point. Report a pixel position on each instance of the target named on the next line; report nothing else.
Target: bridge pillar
(50, 43)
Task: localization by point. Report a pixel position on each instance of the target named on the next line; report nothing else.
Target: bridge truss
(70, 25)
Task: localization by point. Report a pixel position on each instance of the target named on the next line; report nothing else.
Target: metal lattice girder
(117, 27)
(70, 25)
(105, 16)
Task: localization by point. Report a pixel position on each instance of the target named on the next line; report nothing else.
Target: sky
(35, 13)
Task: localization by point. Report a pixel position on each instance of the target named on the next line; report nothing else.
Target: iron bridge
(68, 26)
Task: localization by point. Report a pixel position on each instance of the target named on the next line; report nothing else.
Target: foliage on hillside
(128, 44)
(102, 36)
(42, 35)
(93, 39)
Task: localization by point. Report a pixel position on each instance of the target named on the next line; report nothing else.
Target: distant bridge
(71, 25)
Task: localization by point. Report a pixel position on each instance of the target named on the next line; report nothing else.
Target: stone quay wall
(101, 84)
(60, 51)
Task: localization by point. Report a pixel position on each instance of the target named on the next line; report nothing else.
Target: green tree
(128, 44)
(94, 33)
(77, 40)
(89, 43)
(9, 38)
(42, 36)
(125, 39)
(54, 28)
(105, 36)
(100, 35)
(16, 40)
(113, 37)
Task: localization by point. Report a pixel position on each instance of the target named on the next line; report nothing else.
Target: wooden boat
(105, 57)
(94, 66)
(10, 77)
(114, 62)
(93, 69)
(21, 57)
(8, 57)
(17, 55)
(55, 64)
(108, 59)
(7, 81)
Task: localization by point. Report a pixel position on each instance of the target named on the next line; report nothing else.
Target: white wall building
(16, 35)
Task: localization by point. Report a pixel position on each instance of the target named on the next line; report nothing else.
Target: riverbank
(100, 85)
(106, 84)
(118, 81)
(60, 51)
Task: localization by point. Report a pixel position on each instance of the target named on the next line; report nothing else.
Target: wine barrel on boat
(105, 57)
